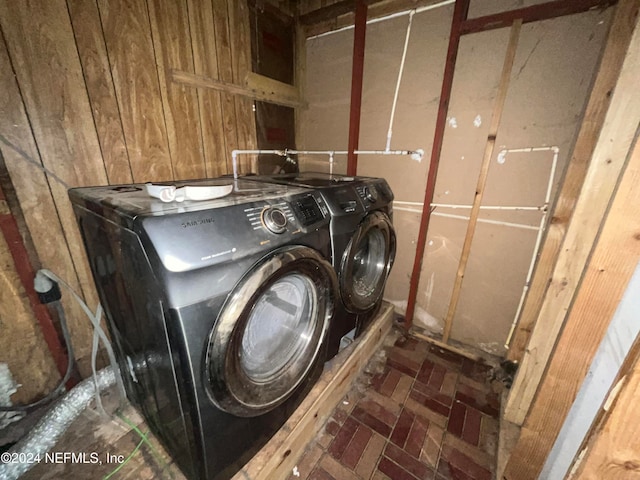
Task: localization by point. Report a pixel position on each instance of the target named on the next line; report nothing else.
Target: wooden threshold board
(278, 457)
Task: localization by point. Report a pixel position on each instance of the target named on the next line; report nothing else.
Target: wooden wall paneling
(225, 72)
(616, 46)
(240, 34)
(172, 48)
(127, 34)
(610, 268)
(87, 29)
(45, 61)
(205, 59)
(616, 137)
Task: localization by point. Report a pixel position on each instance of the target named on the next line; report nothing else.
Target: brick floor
(429, 414)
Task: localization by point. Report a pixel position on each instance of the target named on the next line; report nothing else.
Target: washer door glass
(366, 262)
(271, 332)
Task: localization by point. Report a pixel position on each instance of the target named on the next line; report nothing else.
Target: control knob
(274, 220)
(370, 193)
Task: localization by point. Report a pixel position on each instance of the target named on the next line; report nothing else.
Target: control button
(370, 193)
(274, 219)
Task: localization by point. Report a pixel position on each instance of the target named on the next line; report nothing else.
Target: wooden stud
(608, 160)
(484, 171)
(615, 49)
(446, 346)
(357, 73)
(612, 263)
(199, 81)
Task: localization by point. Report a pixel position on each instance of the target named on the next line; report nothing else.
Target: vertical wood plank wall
(87, 100)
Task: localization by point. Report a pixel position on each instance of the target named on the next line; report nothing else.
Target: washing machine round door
(366, 262)
(271, 331)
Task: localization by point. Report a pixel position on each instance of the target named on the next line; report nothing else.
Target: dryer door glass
(271, 332)
(366, 263)
(279, 328)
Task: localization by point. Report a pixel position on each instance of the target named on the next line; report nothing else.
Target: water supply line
(414, 154)
(53, 424)
(395, 95)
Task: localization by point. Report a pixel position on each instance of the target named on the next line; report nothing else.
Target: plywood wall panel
(87, 29)
(240, 35)
(172, 47)
(205, 59)
(41, 40)
(225, 72)
(125, 24)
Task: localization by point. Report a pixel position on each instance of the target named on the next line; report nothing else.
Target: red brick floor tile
(485, 402)
(334, 468)
(369, 459)
(425, 371)
(342, 438)
(456, 419)
(457, 460)
(371, 421)
(332, 427)
(432, 445)
(402, 428)
(378, 379)
(401, 391)
(320, 474)
(472, 423)
(408, 463)
(398, 361)
(390, 382)
(430, 403)
(356, 447)
(339, 415)
(437, 377)
(393, 470)
(415, 440)
(434, 394)
(378, 411)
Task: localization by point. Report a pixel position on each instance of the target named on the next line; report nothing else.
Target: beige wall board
(87, 29)
(619, 129)
(203, 43)
(172, 49)
(129, 45)
(29, 360)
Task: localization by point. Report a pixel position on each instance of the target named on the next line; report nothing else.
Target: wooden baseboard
(278, 457)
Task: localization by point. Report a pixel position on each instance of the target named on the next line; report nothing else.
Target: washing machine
(218, 310)
(363, 243)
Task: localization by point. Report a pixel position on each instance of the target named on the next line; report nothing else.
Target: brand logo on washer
(195, 223)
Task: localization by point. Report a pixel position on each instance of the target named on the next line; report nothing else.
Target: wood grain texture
(40, 39)
(87, 30)
(614, 51)
(613, 452)
(240, 34)
(172, 48)
(225, 73)
(128, 39)
(619, 129)
(205, 59)
(612, 264)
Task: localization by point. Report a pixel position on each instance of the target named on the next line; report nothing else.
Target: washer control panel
(274, 219)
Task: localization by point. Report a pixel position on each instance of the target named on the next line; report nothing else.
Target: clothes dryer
(219, 310)
(363, 243)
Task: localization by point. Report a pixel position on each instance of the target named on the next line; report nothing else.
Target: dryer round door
(366, 262)
(270, 332)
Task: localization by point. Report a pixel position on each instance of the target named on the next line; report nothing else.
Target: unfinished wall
(87, 99)
(552, 75)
